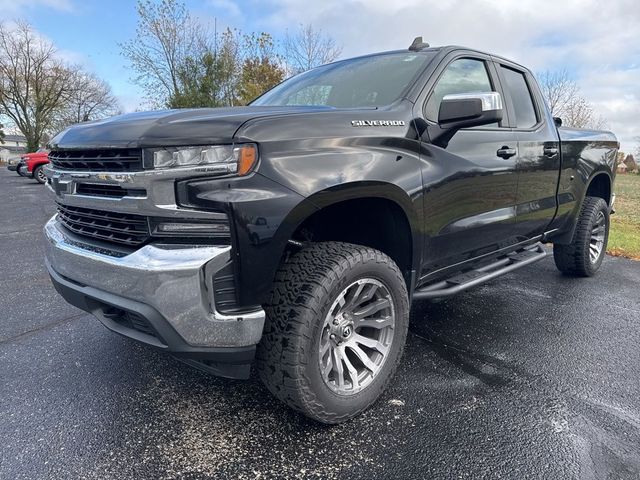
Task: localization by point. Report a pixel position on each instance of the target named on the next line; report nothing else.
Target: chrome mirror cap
(489, 100)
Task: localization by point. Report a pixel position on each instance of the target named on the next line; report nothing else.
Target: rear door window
(521, 99)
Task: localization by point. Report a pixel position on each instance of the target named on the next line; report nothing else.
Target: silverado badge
(377, 123)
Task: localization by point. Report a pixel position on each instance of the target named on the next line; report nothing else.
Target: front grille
(122, 228)
(114, 160)
(106, 190)
(114, 191)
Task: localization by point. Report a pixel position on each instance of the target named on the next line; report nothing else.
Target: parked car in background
(14, 162)
(32, 164)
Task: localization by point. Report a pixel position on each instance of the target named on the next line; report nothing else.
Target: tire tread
(573, 259)
(292, 312)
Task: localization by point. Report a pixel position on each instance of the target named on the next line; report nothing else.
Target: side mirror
(465, 110)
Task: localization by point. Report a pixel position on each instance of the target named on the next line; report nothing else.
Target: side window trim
(538, 102)
(540, 117)
(494, 78)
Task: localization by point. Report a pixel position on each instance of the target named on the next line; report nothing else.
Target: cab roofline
(443, 50)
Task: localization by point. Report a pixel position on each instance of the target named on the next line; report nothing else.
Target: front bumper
(22, 170)
(159, 294)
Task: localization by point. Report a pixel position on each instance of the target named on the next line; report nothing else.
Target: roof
(14, 138)
(444, 49)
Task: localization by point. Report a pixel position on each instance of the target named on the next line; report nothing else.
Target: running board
(463, 281)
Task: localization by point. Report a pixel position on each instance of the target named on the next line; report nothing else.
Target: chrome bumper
(175, 281)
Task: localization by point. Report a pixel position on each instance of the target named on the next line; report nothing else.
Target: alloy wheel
(356, 336)
(598, 232)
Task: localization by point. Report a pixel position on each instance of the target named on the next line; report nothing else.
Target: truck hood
(169, 127)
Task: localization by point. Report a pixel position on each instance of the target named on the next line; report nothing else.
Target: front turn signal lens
(248, 155)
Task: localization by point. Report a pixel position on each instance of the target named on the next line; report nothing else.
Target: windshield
(361, 82)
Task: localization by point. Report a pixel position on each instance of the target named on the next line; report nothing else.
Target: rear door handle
(550, 151)
(506, 152)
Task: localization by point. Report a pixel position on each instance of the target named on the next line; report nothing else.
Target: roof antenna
(418, 45)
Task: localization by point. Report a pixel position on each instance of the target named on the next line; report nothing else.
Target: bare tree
(565, 100)
(89, 98)
(2, 135)
(167, 37)
(33, 82)
(229, 65)
(308, 48)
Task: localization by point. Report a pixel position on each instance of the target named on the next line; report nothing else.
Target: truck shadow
(466, 332)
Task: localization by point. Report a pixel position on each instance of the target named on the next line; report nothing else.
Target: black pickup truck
(298, 230)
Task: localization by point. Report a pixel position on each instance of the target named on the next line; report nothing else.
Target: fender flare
(567, 236)
(351, 191)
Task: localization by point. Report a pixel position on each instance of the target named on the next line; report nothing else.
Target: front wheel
(38, 174)
(335, 330)
(583, 256)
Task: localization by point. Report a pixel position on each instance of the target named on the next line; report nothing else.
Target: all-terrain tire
(306, 286)
(575, 258)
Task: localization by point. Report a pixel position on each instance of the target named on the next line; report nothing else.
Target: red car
(31, 165)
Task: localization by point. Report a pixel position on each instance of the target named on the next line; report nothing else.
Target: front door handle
(550, 151)
(506, 152)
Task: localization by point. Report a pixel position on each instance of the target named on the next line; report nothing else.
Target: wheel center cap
(342, 328)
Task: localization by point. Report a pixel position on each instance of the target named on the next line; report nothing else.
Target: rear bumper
(160, 295)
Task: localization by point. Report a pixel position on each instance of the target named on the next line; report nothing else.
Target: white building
(12, 146)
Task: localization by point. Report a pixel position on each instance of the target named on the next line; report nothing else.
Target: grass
(624, 237)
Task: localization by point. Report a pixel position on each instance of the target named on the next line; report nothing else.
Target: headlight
(222, 159)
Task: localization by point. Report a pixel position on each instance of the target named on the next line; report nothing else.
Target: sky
(597, 42)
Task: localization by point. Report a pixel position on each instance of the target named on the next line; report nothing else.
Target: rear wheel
(583, 256)
(38, 174)
(335, 331)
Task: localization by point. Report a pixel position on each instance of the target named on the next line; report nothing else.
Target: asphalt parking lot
(533, 375)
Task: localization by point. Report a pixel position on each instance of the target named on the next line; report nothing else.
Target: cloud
(68, 56)
(598, 43)
(229, 7)
(615, 94)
